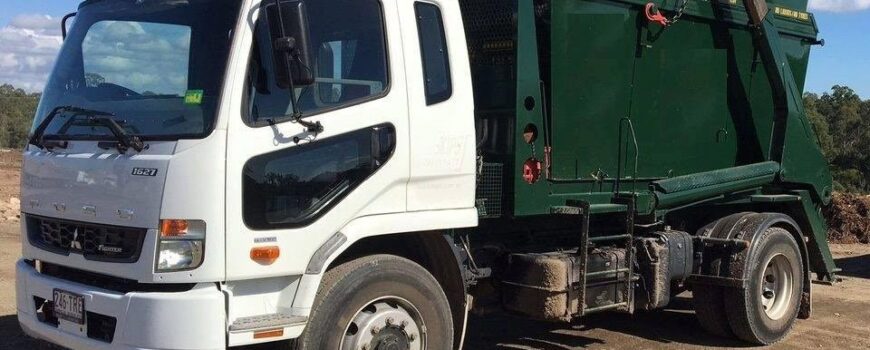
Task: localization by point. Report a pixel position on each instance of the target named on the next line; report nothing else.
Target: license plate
(69, 306)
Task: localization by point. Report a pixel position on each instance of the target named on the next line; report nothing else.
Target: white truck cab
(173, 196)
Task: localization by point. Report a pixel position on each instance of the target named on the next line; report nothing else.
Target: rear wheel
(379, 302)
(765, 311)
(710, 309)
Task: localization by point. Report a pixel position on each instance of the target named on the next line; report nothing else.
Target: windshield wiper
(105, 119)
(125, 140)
(36, 138)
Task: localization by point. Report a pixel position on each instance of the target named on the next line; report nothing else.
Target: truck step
(599, 239)
(250, 323)
(607, 307)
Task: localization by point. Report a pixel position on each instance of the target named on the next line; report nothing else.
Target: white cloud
(29, 48)
(139, 56)
(43, 23)
(839, 5)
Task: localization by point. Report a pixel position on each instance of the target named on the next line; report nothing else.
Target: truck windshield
(156, 65)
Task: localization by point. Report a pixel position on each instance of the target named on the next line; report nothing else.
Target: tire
(710, 310)
(709, 300)
(773, 264)
(370, 297)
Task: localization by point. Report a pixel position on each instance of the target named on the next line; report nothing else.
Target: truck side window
(294, 186)
(349, 55)
(433, 47)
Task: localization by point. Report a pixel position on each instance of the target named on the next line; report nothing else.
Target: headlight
(180, 245)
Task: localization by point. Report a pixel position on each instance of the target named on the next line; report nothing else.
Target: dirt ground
(10, 173)
(10, 180)
(841, 315)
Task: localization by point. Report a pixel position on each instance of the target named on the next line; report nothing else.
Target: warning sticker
(193, 97)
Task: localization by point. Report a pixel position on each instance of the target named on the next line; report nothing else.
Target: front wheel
(379, 302)
(765, 311)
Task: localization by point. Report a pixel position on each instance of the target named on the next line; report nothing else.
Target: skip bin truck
(363, 174)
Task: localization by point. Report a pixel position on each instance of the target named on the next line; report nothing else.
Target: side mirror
(288, 28)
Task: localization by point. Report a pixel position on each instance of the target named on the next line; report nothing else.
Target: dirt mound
(10, 157)
(849, 218)
(10, 210)
(10, 169)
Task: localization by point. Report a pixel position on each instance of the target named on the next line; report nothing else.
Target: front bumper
(194, 319)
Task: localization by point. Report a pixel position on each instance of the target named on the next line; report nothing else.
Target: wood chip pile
(849, 218)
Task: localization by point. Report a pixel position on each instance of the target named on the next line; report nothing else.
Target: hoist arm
(787, 98)
(793, 143)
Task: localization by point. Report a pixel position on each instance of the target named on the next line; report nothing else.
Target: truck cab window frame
(295, 186)
(350, 63)
(434, 54)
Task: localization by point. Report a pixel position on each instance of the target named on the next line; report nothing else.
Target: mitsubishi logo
(75, 244)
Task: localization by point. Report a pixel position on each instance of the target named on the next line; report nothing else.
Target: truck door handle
(383, 144)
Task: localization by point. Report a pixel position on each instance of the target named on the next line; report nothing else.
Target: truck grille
(93, 241)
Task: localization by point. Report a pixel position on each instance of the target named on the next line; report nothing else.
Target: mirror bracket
(63, 23)
(285, 44)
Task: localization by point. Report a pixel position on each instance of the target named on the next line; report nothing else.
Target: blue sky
(845, 58)
(844, 24)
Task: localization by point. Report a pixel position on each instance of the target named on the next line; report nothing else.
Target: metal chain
(679, 13)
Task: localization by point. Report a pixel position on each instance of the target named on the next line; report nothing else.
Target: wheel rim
(387, 323)
(777, 286)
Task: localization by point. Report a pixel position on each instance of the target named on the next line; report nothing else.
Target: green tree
(820, 124)
(841, 121)
(16, 114)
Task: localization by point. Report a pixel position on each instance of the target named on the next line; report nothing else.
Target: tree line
(16, 114)
(840, 118)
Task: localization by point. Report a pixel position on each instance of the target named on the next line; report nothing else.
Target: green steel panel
(680, 101)
(528, 199)
(695, 95)
(593, 47)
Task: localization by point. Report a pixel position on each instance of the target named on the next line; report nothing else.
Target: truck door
(290, 188)
(441, 106)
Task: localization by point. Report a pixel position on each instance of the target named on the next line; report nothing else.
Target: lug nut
(404, 324)
(412, 337)
(390, 321)
(376, 330)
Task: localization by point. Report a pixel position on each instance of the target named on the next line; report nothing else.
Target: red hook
(653, 15)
